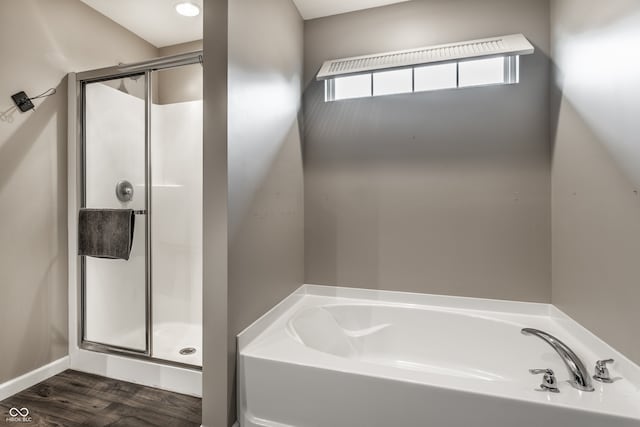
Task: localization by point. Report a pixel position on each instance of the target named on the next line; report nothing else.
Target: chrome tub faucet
(580, 378)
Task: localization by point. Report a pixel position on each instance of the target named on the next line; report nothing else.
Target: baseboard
(32, 378)
(138, 371)
(236, 424)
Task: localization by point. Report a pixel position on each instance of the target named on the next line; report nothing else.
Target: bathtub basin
(334, 357)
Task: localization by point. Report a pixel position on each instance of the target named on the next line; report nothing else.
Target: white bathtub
(334, 357)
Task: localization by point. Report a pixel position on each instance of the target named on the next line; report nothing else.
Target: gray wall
(442, 192)
(183, 83)
(214, 341)
(33, 167)
(266, 241)
(596, 167)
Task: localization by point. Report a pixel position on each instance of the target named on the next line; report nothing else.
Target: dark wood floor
(77, 399)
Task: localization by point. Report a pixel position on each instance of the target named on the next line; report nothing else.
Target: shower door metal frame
(97, 77)
(145, 69)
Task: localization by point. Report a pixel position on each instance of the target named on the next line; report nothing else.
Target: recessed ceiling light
(188, 9)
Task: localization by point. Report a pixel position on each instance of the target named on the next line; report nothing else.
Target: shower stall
(137, 145)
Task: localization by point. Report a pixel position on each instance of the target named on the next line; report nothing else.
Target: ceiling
(157, 22)
(310, 9)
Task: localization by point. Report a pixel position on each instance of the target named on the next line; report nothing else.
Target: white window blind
(502, 46)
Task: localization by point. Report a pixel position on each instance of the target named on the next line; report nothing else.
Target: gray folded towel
(106, 233)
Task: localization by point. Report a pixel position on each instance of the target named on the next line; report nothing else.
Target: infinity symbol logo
(22, 412)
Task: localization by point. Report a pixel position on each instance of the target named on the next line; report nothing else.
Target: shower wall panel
(176, 230)
(115, 290)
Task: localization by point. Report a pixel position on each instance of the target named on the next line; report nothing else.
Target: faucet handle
(549, 382)
(602, 372)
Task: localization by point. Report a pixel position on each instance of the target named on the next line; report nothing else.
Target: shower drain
(187, 350)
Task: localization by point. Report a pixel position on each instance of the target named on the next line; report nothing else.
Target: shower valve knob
(124, 191)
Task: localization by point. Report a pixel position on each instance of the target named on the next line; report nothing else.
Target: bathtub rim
(624, 366)
(256, 328)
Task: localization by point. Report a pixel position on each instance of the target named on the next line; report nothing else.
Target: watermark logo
(18, 415)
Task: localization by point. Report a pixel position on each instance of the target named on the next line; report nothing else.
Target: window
(348, 87)
(436, 77)
(392, 82)
(481, 72)
(451, 75)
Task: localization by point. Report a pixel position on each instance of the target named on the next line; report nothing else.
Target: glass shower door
(115, 292)
(176, 141)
